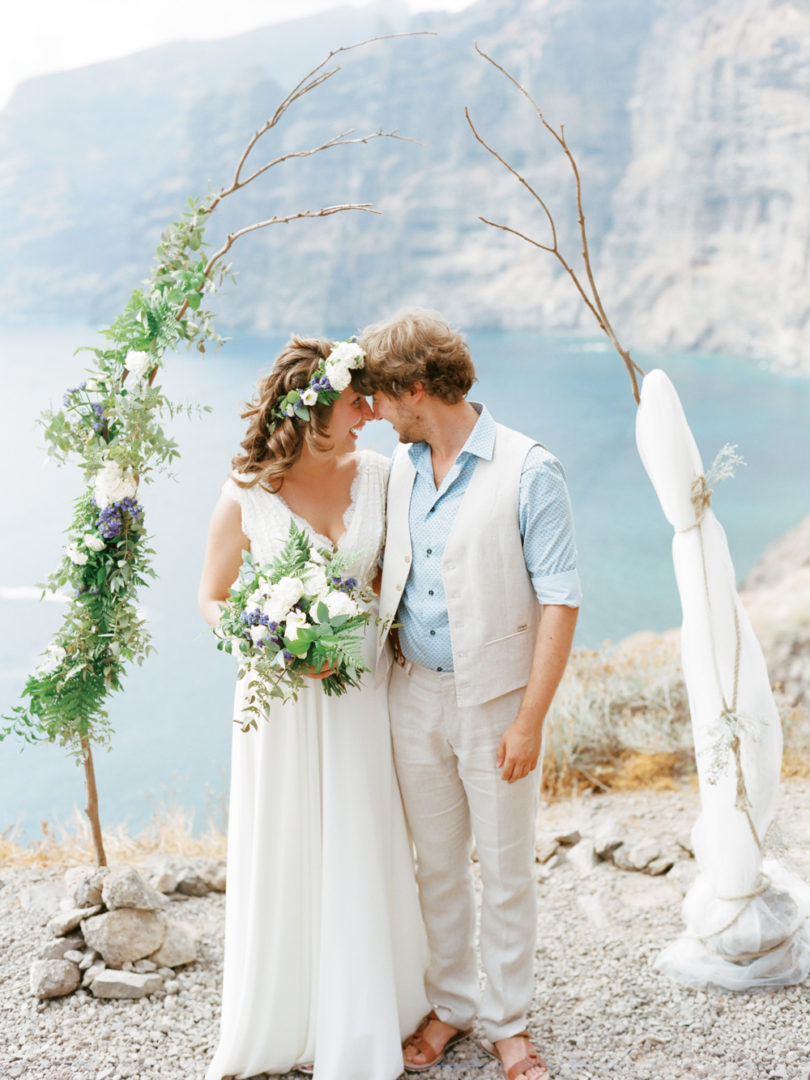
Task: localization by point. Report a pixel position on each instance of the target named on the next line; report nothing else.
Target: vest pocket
(507, 637)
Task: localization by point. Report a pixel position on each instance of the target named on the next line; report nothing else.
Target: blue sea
(173, 722)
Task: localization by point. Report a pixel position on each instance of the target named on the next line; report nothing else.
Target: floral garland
(329, 380)
(111, 421)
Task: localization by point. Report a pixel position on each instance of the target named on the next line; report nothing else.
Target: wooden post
(92, 802)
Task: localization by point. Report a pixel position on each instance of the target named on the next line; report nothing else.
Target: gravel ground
(600, 1008)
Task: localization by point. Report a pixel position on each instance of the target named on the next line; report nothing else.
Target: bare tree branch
(592, 300)
(314, 78)
(325, 211)
(309, 82)
(337, 140)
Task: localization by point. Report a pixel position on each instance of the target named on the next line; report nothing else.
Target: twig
(592, 300)
(325, 211)
(314, 78)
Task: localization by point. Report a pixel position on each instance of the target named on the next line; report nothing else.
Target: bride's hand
(324, 673)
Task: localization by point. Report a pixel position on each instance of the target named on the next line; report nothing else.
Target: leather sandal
(429, 1053)
(531, 1061)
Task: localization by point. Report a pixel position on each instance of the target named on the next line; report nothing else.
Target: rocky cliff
(690, 124)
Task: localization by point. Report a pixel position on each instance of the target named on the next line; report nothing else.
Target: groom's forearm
(519, 749)
(551, 651)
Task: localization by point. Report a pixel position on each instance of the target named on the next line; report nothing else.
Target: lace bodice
(266, 518)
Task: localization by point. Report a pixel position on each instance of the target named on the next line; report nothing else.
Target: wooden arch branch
(589, 294)
(313, 79)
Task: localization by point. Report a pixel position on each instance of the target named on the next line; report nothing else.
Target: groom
(480, 574)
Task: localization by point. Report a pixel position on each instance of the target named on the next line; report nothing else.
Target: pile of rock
(113, 936)
(611, 843)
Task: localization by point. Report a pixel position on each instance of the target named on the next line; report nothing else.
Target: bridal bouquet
(290, 618)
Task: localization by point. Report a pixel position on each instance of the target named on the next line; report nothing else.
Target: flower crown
(329, 380)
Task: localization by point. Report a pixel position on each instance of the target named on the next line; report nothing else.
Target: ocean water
(173, 722)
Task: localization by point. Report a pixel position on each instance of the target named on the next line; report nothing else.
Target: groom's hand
(519, 750)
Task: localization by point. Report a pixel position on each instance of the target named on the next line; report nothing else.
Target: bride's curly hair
(268, 455)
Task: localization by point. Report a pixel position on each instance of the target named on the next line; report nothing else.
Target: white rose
(339, 603)
(348, 353)
(284, 594)
(94, 542)
(314, 580)
(76, 555)
(56, 654)
(293, 623)
(309, 396)
(113, 484)
(339, 376)
(139, 363)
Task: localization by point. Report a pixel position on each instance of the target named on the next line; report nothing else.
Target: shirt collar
(480, 442)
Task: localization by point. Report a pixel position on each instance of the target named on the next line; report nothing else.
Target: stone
(191, 883)
(570, 838)
(124, 984)
(660, 865)
(125, 888)
(56, 950)
(179, 946)
(75, 956)
(88, 959)
(213, 874)
(544, 870)
(66, 921)
(83, 883)
(124, 934)
(582, 856)
(163, 873)
(636, 855)
(53, 978)
(684, 841)
(92, 973)
(544, 848)
(143, 967)
(609, 836)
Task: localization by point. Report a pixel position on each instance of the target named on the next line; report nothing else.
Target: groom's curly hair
(416, 346)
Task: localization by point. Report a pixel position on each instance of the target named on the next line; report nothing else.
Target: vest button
(433, 633)
(430, 592)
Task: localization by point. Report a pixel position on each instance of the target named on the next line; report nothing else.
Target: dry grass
(171, 832)
(620, 721)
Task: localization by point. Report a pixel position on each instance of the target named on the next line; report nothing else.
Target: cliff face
(710, 244)
(690, 124)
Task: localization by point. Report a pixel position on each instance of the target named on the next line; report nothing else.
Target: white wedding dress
(324, 944)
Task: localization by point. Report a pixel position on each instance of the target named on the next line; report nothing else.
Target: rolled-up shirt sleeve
(547, 529)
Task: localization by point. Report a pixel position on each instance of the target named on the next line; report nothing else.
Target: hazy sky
(41, 36)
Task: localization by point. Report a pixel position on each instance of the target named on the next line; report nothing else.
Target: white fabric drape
(745, 918)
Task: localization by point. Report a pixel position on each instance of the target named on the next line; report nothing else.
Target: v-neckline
(346, 516)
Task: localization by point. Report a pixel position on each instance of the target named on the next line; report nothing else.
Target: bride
(324, 945)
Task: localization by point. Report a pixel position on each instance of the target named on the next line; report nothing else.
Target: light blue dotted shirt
(546, 528)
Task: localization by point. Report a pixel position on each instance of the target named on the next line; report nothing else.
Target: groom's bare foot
(518, 1050)
(436, 1034)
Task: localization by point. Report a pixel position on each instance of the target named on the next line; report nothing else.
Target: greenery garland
(112, 421)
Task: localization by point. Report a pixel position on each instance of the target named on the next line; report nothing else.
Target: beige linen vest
(491, 603)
